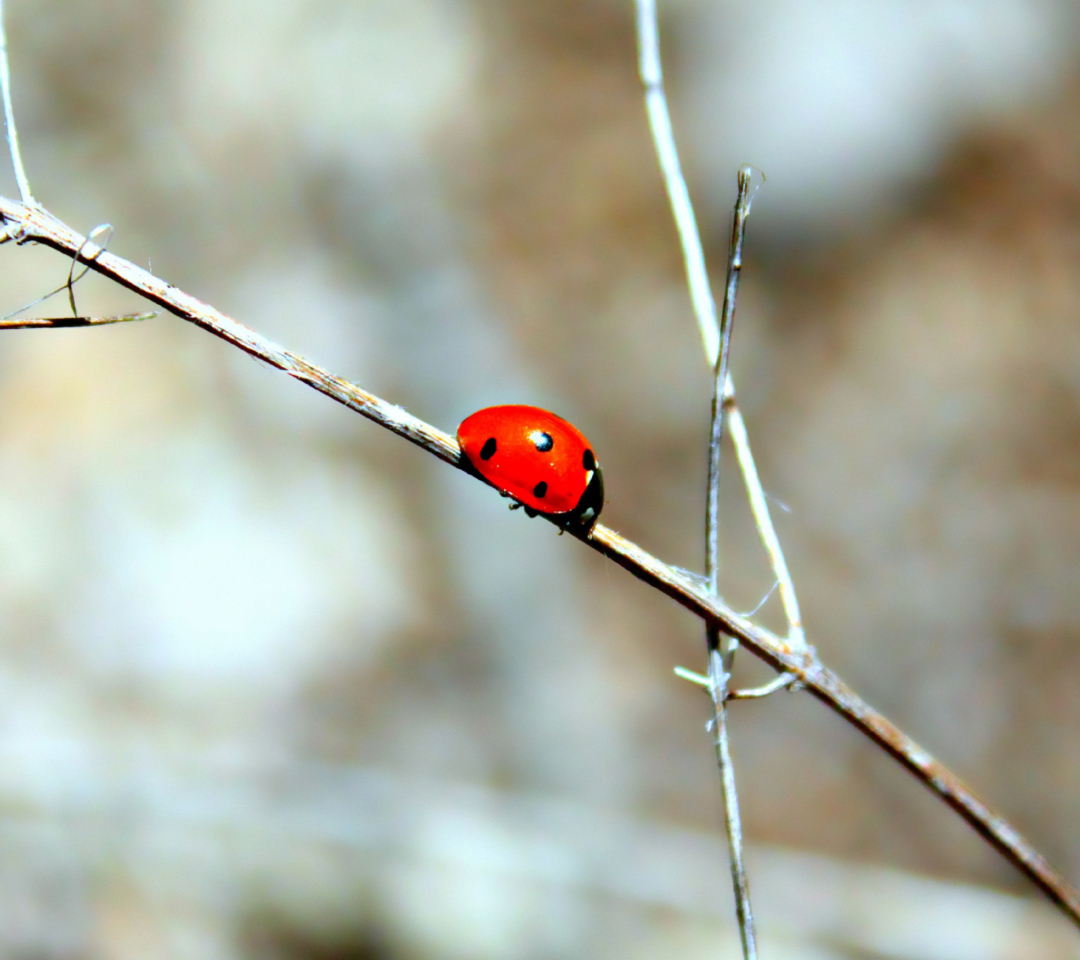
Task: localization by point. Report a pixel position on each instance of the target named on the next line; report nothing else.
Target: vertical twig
(718, 689)
(723, 361)
(722, 648)
(9, 116)
(715, 337)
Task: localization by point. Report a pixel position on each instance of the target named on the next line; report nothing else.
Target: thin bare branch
(9, 116)
(715, 338)
(721, 647)
(716, 434)
(38, 323)
(719, 680)
(38, 225)
(744, 915)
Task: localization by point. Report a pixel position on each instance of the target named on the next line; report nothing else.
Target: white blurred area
(276, 685)
(844, 104)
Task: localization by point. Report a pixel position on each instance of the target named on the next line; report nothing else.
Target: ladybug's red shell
(535, 457)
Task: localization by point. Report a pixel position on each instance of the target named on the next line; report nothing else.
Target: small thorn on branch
(697, 678)
(786, 681)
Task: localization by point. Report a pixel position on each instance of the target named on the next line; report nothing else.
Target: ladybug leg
(529, 512)
(515, 505)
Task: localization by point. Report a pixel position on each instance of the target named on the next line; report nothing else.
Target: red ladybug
(537, 458)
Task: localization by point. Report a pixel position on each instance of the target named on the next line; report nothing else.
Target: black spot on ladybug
(543, 441)
(540, 490)
(488, 449)
(588, 461)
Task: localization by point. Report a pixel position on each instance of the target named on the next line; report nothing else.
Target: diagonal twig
(38, 225)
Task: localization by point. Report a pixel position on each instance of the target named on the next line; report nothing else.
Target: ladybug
(539, 459)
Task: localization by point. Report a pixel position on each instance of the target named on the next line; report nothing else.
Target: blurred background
(275, 684)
